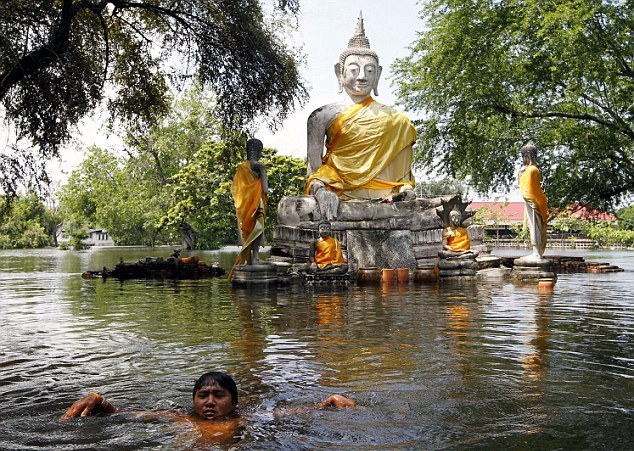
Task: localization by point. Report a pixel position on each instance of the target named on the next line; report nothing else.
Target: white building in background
(96, 237)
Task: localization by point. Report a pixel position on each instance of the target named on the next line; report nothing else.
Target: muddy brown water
(490, 365)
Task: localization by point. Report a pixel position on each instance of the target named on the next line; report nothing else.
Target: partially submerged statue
(456, 256)
(536, 213)
(368, 145)
(249, 190)
(325, 253)
(455, 236)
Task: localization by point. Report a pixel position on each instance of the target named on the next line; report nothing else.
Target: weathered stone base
(494, 273)
(260, 275)
(488, 261)
(400, 235)
(529, 270)
(425, 275)
(327, 279)
(457, 267)
(456, 272)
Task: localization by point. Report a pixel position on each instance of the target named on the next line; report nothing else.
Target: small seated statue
(368, 145)
(456, 243)
(456, 256)
(325, 253)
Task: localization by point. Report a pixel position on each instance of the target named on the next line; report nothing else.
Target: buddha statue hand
(327, 200)
(404, 195)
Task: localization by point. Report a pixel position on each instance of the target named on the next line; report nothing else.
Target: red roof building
(506, 212)
(513, 212)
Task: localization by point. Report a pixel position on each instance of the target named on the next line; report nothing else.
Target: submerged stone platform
(404, 234)
(259, 275)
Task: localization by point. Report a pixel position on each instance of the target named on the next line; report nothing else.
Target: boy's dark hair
(221, 380)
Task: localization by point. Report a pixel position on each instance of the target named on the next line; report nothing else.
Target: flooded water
(463, 366)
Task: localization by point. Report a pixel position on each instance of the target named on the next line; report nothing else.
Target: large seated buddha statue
(368, 145)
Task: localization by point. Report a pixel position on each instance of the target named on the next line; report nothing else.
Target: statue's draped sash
(530, 187)
(457, 239)
(368, 147)
(250, 202)
(328, 251)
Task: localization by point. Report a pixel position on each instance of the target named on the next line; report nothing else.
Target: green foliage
(109, 192)
(626, 217)
(566, 223)
(287, 177)
(202, 191)
(59, 60)
(175, 179)
(491, 76)
(23, 226)
(440, 187)
(606, 234)
(202, 198)
(77, 237)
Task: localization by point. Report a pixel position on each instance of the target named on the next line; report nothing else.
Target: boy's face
(212, 402)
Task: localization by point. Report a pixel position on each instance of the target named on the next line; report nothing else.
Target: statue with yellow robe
(455, 237)
(325, 253)
(456, 256)
(535, 211)
(249, 190)
(368, 146)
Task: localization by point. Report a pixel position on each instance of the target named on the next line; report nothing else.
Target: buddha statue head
(529, 154)
(358, 69)
(453, 212)
(254, 149)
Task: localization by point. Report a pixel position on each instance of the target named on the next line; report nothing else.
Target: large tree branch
(44, 55)
(549, 114)
(607, 109)
(609, 194)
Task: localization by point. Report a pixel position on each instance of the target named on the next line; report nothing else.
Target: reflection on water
(451, 366)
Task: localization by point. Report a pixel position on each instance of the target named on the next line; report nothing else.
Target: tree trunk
(188, 235)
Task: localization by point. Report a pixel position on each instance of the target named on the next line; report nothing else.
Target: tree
(440, 187)
(25, 224)
(491, 76)
(626, 217)
(59, 59)
(287, 177)
(114, 193)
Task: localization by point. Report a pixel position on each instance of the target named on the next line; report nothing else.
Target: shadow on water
(489, 365)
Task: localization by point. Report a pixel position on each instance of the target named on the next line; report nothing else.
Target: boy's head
(215, 396)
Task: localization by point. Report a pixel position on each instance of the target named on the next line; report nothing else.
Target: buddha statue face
(324, 229)
(455, 218)
(359, 76)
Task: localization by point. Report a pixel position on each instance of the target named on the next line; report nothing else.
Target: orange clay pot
(387, 274)
(402, 275)
(546, 284)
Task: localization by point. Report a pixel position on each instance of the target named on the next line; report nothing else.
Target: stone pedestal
(531, 269)
(401, 235)
(457, 267)
(259, 275)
